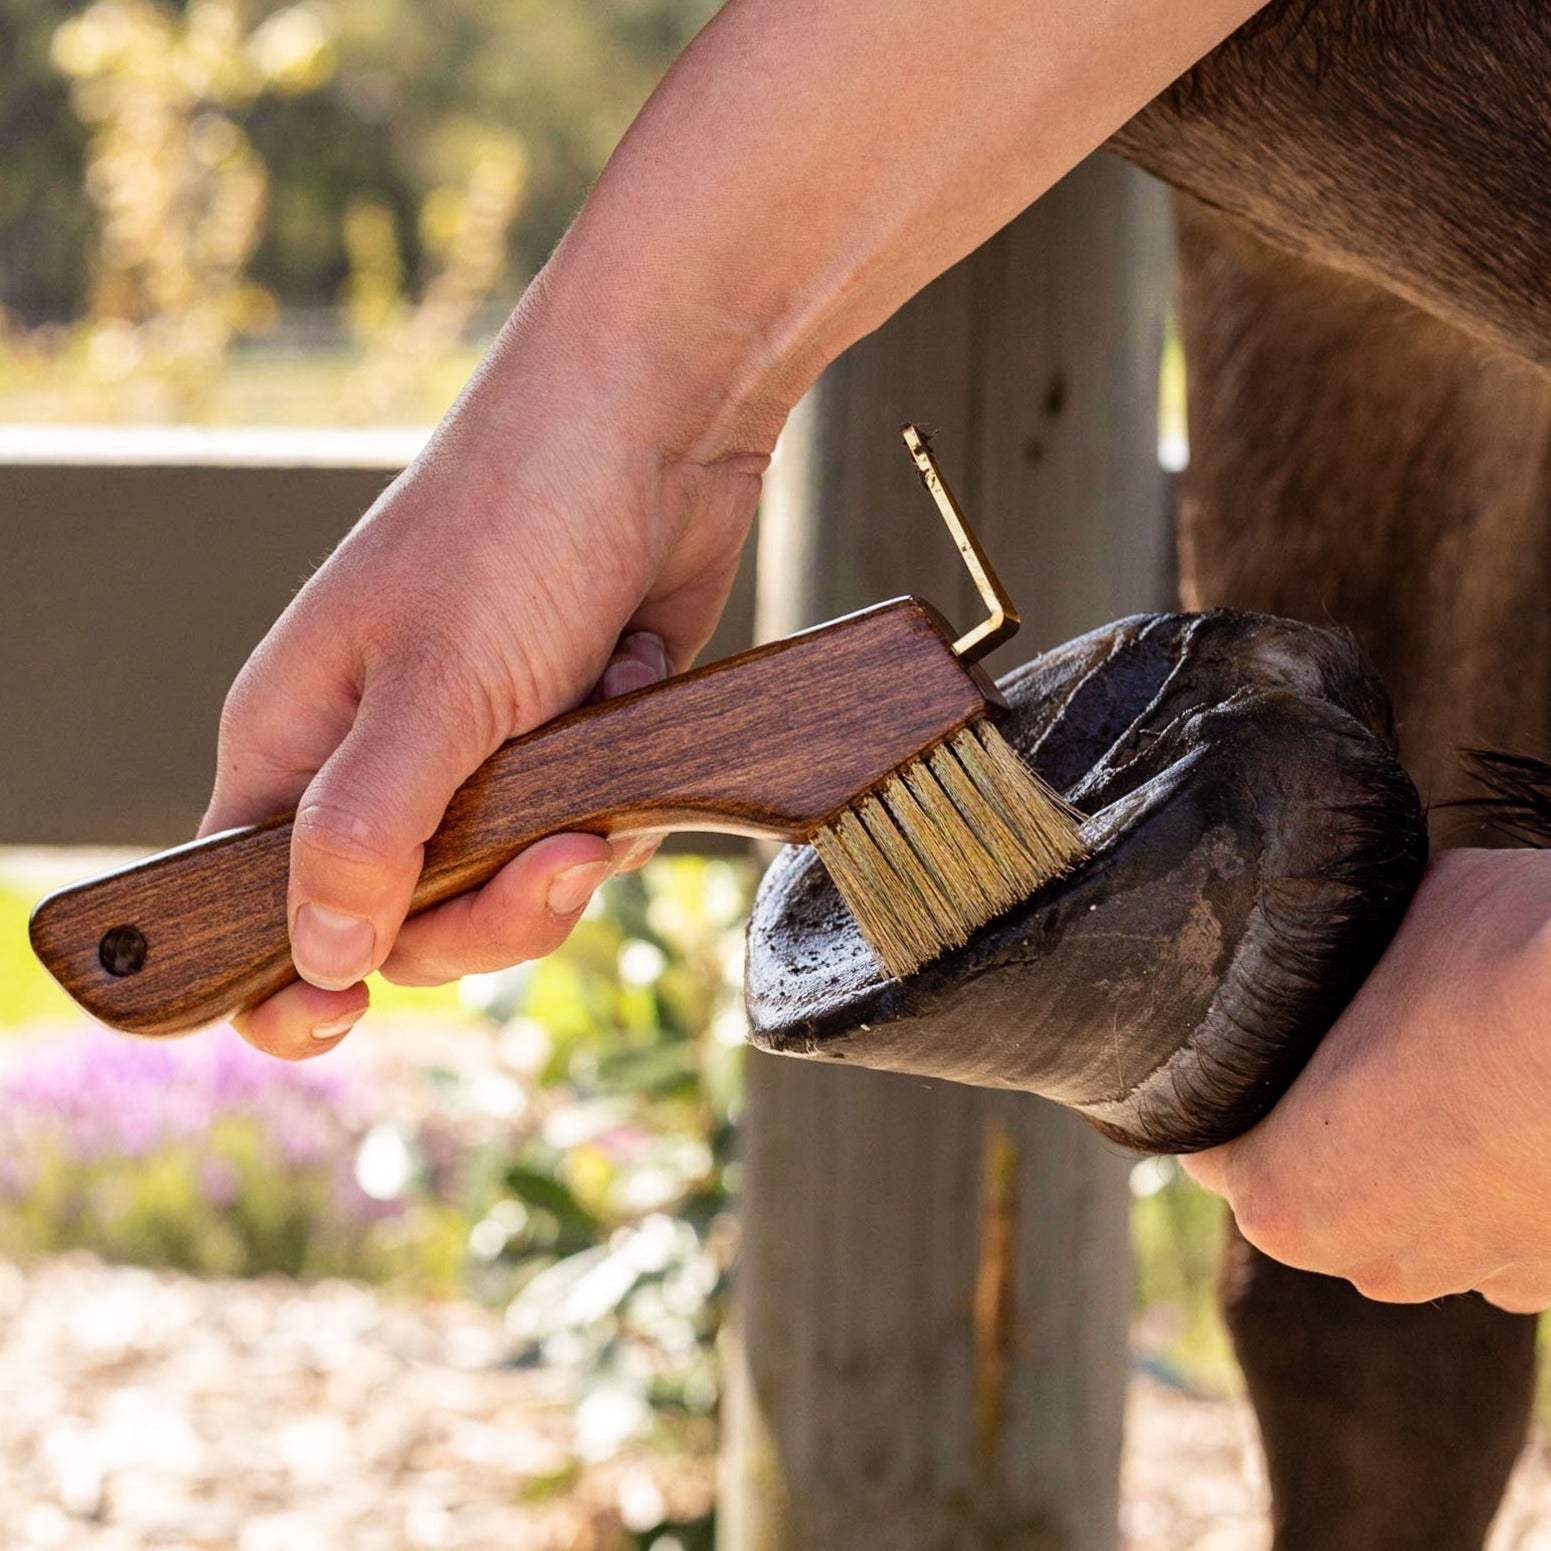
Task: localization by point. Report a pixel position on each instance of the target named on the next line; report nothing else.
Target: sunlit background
(460, 1283)
(307, 214)
(530, 1175)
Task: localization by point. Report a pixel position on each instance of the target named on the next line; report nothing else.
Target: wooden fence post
(930, 1353)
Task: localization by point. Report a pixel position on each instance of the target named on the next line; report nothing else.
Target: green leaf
(548, 1194)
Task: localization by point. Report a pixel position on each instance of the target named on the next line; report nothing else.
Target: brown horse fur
(1363, 237)
(1355, 461)
(1402, 142)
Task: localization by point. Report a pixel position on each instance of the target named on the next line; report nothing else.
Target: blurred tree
(407, 349)
(45, 218)
(419, 88)
(178, 190)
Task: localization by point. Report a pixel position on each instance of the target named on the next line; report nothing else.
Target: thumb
(359, 836)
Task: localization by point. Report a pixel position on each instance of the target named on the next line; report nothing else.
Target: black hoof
(1254, 846)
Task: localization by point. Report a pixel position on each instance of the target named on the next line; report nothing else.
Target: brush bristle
(945, 844)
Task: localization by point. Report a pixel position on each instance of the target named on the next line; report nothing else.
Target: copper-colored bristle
(945, 844)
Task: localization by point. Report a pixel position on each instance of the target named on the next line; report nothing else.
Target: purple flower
(99, 1096)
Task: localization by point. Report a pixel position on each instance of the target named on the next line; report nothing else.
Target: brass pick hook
(1001, 623)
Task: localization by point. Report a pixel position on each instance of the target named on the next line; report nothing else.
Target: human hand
(777, 198)
(531, 555)
(1413, 1154)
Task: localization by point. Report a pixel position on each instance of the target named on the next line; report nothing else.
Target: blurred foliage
(464, 229)
(45, 215)
(567, 1158)
(220, 198)
(27, 993)
(178, 190)
(382, 102)
(421, 83)
(607, 1219)
(203, 1156)
(1177, 1232)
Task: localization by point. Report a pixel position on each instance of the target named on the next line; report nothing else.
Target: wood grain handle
(771, 742)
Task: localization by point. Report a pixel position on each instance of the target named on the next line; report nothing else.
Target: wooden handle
(771, 742)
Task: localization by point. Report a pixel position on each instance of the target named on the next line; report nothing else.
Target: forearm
(809, 164)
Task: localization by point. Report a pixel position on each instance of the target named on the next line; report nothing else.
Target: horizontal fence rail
(137, 571)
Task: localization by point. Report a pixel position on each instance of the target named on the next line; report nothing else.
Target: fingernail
(635, 852)
(648, 646)
(571, 889)
(624, 674)
(335, 1027)
(331, 950)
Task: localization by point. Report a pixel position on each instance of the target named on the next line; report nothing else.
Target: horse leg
(1358, 463)
(1387, 1427)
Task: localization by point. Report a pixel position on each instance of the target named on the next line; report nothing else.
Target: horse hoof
(1254, 844)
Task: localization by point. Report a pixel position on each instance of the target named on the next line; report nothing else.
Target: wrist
(672, 364)
(566, 450)
(589, 421)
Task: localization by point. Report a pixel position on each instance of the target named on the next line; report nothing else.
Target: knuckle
(1387, 1281)
(416, 622)
(238, 710)
(415, 972)
(455, 690)
(453, 696)
(340, 833)
(399, 629)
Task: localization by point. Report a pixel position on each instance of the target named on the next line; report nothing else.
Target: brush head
(1254, 844)
(946, 844)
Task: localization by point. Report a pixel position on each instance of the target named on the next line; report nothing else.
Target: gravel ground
(148, 1409)
(154, 1410)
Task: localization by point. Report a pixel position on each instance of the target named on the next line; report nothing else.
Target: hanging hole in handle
(122, 951)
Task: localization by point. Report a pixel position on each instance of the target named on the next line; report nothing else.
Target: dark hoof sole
(1254, 846)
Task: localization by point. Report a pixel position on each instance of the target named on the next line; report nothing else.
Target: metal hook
(1002, 622)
